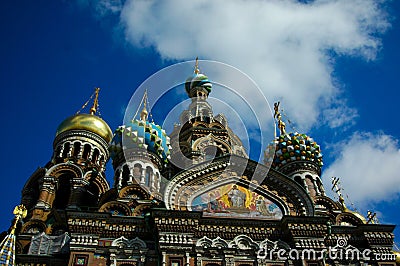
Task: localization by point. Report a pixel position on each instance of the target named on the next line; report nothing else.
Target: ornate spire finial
(372, 219)
(196, 66)
(93, 110)
(7, 246)
(278, 117)
(144, 113)
(337, 189)
(20, 212)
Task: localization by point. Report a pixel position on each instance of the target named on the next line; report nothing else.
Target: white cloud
(102, 7)
(340, 115)
(285, 46)
(368, 167)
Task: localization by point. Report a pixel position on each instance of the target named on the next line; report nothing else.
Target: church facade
(190, 198)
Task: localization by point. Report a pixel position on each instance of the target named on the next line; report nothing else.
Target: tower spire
(144, 114)
(196, 66)
(95, 106)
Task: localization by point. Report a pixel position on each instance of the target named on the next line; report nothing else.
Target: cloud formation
(287, 47)
(368, 167)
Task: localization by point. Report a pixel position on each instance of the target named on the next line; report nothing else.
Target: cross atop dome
(196, 66)
(95, 107)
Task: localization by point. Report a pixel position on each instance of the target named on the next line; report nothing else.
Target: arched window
(149, 173)
(77, 149)
(310, 185)
(86, 151)
(299, 180)
(95, 155)
(67, 147)
(63, 191)
(137, 170)
(58, 152)
(125, 175)
(157, 182)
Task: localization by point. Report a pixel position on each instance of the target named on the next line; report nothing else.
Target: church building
(189, 198)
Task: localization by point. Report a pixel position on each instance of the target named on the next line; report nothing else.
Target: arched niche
(63, 190)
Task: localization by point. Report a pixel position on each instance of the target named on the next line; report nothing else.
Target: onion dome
(197, 80)
(141, 134)
(295, 147)
(89, 122)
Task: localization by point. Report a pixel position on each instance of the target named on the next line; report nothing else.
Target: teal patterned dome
(198, 80)
(293, 147)
(141, 134)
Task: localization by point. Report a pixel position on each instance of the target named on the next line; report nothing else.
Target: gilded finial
(20, 212)
(196, 66)
(337, 190)
(372, 219)
(278, 117)
(93, 110)
(144, 113)
(7, 245)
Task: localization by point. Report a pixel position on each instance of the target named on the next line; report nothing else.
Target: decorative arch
(134, 191)
(347, 218)
(283, 191)
(31, 190)
(135, 243)
(204, 242)
(326, 202)
(58, 169)
(116, 208)
(243, 242)
(210, 140)
(110, 195)
(99, 180)
(33, 227)
(219, 243)
(139, 210)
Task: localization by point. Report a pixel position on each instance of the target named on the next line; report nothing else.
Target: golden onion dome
(397, 253)
(87, 122)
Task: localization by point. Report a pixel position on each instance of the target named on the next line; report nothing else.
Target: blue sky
(332, 64)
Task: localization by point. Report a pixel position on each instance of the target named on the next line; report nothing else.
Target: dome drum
(85, 147)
